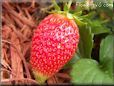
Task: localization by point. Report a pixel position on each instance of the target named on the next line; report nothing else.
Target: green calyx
(65, 9)
(67, 12)
(39, 77)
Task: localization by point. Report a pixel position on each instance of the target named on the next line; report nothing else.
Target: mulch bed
(19, 20)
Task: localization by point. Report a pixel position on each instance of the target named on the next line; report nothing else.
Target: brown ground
(19, 20)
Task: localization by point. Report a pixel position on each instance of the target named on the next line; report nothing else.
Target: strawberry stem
(69, 15)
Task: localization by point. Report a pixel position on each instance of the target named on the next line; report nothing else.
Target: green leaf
(56, 5)
(78, 21)
(98, 28)
(66, 7)
(107, 54)
(90, 15)
(77, 13)
(87, 71)
(86, 41)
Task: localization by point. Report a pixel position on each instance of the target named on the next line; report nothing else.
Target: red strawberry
(53, 45)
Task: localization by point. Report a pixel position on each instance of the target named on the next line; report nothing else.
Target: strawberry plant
(89, 70)
(56, 39)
